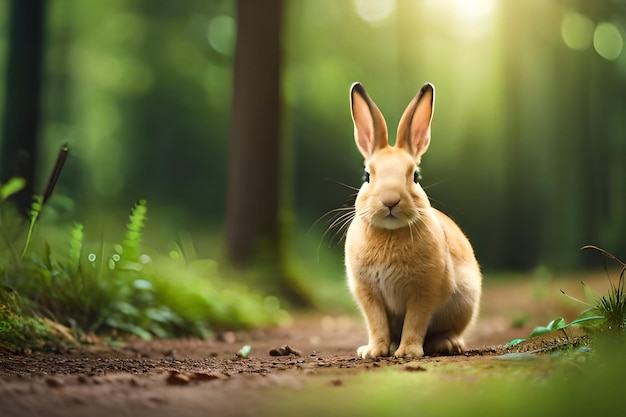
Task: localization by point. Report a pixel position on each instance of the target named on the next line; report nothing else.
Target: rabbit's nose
(391, 202)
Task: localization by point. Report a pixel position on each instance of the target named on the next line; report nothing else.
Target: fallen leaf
(244, 352)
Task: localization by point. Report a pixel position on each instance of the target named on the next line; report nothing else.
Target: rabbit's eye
(366, 177)
(417, 176)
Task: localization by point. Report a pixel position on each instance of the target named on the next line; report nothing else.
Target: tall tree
(20, 130)
(521, 229)
(253, 222)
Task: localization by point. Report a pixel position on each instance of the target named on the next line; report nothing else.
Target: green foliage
(556, 324)
(105, 288)
(126, 62)
(132, 238)
(612, 306)
(18, 328)
(607, 312)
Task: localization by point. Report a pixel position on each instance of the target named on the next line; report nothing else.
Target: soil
(187, 377)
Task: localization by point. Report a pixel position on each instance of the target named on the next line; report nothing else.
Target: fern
(134, 231)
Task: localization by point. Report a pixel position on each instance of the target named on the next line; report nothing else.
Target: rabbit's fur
(410, 267)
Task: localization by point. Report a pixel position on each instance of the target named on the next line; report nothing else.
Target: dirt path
(193, 377)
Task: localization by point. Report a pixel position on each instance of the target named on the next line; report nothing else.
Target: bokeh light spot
(374, 10)
(577, 30)
(608, 41)
(221, 34)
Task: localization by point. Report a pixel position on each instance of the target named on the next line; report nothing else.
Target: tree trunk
(20, 130)
(253, 180)
(253, 226)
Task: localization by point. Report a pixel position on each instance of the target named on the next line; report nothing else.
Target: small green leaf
(244, 352)
(538, 331)
(585, 319)
(515, 342)
(14, 185)
(556, 324)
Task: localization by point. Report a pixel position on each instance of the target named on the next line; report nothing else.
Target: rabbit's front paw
(373, 351)
(409, 351)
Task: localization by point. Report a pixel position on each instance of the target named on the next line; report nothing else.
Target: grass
(110, 288)
(113, 288)
(119, 288)
(612, 306)
(604, 313)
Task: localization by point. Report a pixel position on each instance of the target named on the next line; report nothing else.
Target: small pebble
(54, 381)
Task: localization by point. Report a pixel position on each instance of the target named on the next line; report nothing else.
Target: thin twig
(605, 253)
(56, 171)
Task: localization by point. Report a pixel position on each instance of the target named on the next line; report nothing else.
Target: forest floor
(186, 377)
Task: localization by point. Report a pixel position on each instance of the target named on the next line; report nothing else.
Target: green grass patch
(20, 330)
(116, 288)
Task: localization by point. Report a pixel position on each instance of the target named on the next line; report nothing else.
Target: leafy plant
(104, 288)
(116, 288)
(556, 324)
(609, 310)
(612, 307)
(132, 238)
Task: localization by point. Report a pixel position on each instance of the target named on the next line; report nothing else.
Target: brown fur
(410, 268)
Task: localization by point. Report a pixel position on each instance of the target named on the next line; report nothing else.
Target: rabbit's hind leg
(443, 344)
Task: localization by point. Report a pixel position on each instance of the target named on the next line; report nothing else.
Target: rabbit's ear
(370, 129)
(414, 127)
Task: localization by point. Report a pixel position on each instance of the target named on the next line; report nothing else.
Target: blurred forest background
(529, 135)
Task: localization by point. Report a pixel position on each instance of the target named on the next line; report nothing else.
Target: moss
(19, 331)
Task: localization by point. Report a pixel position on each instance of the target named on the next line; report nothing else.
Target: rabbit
(409, 267)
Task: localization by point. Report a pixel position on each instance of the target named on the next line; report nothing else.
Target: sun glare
(470, 17)
(474, 11)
